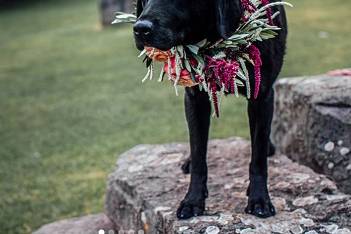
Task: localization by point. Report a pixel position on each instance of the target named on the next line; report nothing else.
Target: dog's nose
(142, 28)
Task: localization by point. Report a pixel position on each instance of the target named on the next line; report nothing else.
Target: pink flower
(220, 73)
(255, 55)
(251, 8)
(268, 11)
(248, 6)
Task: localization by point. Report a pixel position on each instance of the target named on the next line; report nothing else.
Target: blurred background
(71, 100)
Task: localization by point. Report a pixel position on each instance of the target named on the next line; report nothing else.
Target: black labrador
(165, 23)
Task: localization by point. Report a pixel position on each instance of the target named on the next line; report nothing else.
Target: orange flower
(157, 55)
(184, 78)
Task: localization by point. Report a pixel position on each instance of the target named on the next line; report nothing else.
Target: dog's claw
(187, 210)
(262, 208)
(184, 212)
(197, 211)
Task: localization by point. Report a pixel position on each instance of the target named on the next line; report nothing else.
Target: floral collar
(219, 67)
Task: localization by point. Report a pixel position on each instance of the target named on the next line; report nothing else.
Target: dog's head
(166, 23)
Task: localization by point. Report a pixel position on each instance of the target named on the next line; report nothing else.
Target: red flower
(157, 55)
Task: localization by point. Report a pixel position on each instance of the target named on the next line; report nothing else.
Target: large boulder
(147, 185)
(312, 124)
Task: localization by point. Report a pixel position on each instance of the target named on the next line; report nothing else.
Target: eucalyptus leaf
(193, 48)
(187, 65)
(202, 43)
(239, 83)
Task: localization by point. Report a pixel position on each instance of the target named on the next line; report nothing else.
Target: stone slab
(147, 186)
(312, 124)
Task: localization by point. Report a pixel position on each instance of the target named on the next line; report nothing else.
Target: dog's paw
(260, 207)
(186, 166)
(188, 209)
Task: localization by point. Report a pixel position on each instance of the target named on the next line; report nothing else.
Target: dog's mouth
(156, 45)
(163, 44)
(150, 34)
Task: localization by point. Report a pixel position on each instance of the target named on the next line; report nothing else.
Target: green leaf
(239, 83)
(219, 55)
(193, 48)
(142, 53)
(187, 65)
(243, 67)
(202, 43)
(162, 74)
(180, 51)
(238, 36)
(122, 17)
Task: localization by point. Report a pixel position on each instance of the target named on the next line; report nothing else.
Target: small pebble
(248, 231)
(296, 229)
(331, 228)
(306, 222)
(183, 228)
(348, 167)
(143, 217)
(305, 201)
(212, 230)
(342, 231)
(340, 142)
(344, 151)
(329, 146)
(330, 165)
(311, 232)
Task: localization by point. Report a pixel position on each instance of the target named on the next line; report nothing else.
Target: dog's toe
(187, 210)
(184, 212)
(262, 208)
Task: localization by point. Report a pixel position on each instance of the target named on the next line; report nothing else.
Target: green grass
(71, 100)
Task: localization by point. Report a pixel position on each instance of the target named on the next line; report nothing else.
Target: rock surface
(312, 124)
(147, 186)
(91, 224)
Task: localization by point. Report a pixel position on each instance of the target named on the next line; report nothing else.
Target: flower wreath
(218, 67)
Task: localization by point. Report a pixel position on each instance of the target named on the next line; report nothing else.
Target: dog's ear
(139, 7)
(228, 16)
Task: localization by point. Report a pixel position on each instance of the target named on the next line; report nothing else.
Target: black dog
(163, 24)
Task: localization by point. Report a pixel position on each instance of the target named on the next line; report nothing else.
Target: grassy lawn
(71, 100)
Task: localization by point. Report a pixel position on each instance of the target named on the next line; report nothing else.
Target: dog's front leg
(260, 116)
(197, 111)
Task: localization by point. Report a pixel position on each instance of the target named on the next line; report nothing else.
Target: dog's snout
(143, 28)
